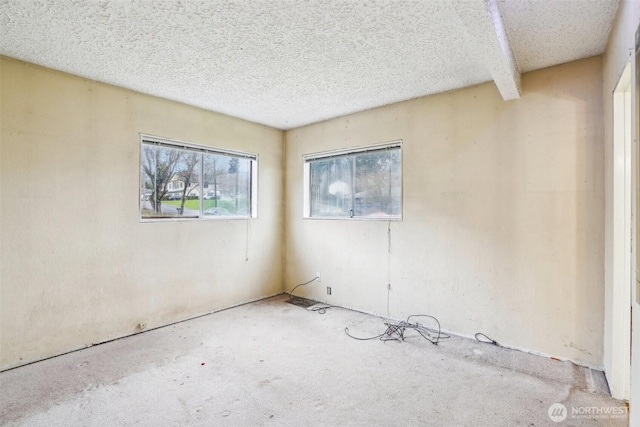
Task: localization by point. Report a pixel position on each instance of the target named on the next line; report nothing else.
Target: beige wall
(502, 229)
(77, 266)
(503, 214)
(619, 50)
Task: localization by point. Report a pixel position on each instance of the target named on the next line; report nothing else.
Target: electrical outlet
(318, 276)
(328, 290)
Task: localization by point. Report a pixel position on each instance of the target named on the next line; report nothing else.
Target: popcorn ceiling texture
(288, 63)
(489, 42)
(550, 32)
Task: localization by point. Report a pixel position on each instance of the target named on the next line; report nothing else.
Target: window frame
(309, 158)
(146, 139)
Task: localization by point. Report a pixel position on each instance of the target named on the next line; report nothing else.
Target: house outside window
(173, 175)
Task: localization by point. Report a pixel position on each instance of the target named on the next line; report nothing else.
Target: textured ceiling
(287, 63)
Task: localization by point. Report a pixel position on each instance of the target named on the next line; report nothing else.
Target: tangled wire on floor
(486, 339)
(396, 330)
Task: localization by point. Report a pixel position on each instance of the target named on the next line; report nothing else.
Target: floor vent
(302, 302)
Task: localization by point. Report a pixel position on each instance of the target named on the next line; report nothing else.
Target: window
(174, 174)
(359, 183)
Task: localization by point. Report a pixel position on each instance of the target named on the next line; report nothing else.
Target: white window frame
(309, 158)
(146, 139)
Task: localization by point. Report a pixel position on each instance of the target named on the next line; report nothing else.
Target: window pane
(377, 186)
(228, 183)
(159, 170)
(185, 193)
(187, 181)
(330, 192)
(395, 164)
(366, 182)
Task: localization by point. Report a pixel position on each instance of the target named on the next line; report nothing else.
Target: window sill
(356, 218)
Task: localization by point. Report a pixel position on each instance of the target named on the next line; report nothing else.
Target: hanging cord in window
(396, 330)
(388, 267)
(388, 298)
(486, 339)
(246, 248)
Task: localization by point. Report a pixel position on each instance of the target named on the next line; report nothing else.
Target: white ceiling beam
(487, 39)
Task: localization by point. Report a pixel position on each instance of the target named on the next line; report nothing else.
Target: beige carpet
(272, 363)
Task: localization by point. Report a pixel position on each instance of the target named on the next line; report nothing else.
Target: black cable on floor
(487, 340)
(320, 310)
(396, 330)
